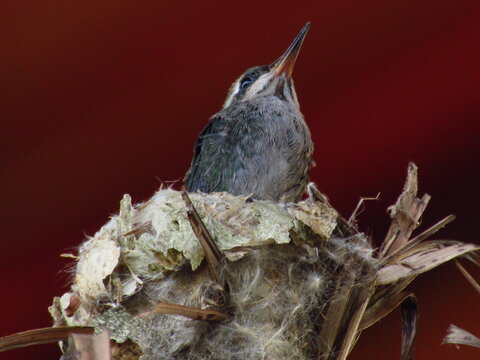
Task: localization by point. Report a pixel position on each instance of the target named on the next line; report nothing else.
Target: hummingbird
(258, 145)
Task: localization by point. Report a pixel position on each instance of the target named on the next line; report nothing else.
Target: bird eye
(246, 82)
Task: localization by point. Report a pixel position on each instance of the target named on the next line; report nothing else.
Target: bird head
(270, 80)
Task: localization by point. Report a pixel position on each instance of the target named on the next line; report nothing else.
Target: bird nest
(214, 276)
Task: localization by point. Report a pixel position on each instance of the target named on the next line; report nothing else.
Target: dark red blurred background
(104, 98)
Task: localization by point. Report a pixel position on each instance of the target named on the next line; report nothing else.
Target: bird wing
(205, 153)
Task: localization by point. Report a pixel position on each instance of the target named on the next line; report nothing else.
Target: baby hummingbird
(258, 144)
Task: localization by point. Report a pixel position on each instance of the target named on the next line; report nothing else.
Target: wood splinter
(212, 254)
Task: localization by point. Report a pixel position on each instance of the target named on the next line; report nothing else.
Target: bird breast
(272, 149)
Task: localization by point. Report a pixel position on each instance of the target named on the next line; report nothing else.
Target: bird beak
(286, 62)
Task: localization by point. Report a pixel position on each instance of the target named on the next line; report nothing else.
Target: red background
(106, 98)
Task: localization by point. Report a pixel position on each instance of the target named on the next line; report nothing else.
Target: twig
(352, 217)
(467, 275)
(41, 336)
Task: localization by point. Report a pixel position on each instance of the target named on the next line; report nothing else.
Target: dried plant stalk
(41, 336)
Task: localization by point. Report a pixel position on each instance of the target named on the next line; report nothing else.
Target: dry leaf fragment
(400, 252)
(384, 306)
(456, 335)
(409, 326)
(429, 255)
(405, 214)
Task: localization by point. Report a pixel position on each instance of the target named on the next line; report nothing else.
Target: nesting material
(295, 281)
(148, 254)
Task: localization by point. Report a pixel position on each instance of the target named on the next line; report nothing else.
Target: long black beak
(286, 62)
